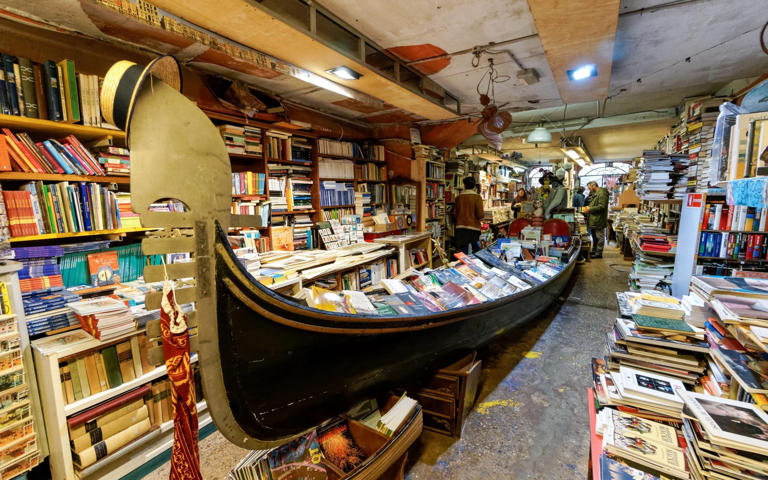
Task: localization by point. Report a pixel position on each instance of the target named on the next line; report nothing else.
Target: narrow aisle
(530, 418)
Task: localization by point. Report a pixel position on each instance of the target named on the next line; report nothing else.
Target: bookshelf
(56, 129)
(48, 358)
(56, 236)
(53, 177)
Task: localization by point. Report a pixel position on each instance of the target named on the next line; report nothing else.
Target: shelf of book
(371, 181)
(288, 162)
(49, 354)
(293, 212)
(337, 179)
(54, 177)
(86, 403)
(48, 127)
(54, 236)
(734, 260)
(328, 207)
(735, 231)
(245, 156)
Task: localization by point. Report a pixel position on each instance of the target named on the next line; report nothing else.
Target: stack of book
(301, 193)
(100, 431)
(726, 439)
(234, 138)
(302, 232)
(701, 116)
(41, 208)
(363, 205)
(248, 183)
(377, 192)
(115, 161)
(336, 169)
(46, 313)
(64, 156)
(663, 176)
(301, 150)
(52, 91)
(128, 218)
(103, 317)
(278, 186)
(657, 243)
(253, 140)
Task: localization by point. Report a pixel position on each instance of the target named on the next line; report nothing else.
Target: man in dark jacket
(578, 198)
(597, 208)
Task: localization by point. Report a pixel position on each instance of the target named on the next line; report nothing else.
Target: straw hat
(123, 82)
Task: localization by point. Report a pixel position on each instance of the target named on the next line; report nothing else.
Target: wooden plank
(166, 220)
(183, 295)
(54, 236)
(159, 246)
(573, 34)
(54, 177)
(253, 221)
(156, 273)
(295, 46)
(58, 129)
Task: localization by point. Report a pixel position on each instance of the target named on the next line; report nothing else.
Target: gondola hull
(287, 368)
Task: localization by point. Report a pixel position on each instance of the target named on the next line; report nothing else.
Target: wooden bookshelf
(59, 129)
(330, 207)
(47, 360)
(55, 177)
(331, 179)
(245, 156)
(55, 236)
(293, 212)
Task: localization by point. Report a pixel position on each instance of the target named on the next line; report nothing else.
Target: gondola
(272, 368)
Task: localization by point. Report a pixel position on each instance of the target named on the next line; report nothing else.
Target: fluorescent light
(323, 82)
(583, 72)
(345, 73)
(572, 153)
(581, 162)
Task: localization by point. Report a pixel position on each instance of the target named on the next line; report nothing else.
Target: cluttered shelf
(54, 177)
(246, 156)
(54, 236)
(48, 127)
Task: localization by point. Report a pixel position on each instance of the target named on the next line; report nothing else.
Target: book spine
(82, 442)
(5, 107)
(52, 94)
(91, 455)
(10, 84)
(112, 366)
(74, 372)
(42, 104)
(19, 91)
(28, 88)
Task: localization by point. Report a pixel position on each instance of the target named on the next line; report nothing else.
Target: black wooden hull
(287, 368)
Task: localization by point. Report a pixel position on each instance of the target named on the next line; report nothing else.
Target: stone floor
(530, 418)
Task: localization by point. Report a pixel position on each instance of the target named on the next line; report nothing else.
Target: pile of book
(471, 280)
(103, 317)
(662, 176)
(726, 439)
(105, 428)
(41, 208)
(336, 169)
(64, 156)
(302, 232)
(114, 160)
(247, 183)
(52, 91)
(242, 140)
(700, 119)
(128, 218)
(659, 243)
(300, 193)
(278, 186)
(301, 150)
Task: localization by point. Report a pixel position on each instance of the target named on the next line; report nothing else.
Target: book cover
(71, 97)
(340, 448)
(299, 458)
(107, 411)
(104, 268)
(98, 434)
(100, 450)
(42, 104)
(413, 303)
(28, 88)
(112, 366)
(653, 323)
(610, 469)
(52, 93)
(10, 84)
(5, 108)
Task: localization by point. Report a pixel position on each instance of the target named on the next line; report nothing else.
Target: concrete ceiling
(653, 40)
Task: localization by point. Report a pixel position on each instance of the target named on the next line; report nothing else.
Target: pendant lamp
(539, 135)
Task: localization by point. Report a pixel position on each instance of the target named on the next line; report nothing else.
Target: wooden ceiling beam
(574, 33)
(245, 23)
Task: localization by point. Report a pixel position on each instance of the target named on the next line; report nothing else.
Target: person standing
(578, 198)
(468, 211)
(597, 208)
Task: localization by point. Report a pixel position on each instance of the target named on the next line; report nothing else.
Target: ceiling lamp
(539, 135)
(345, 73)
(583, 72)
(573, 154)
(581, 162)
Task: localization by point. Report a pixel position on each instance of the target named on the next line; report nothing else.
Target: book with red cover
(105, 407)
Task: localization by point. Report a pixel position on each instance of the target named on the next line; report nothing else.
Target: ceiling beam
(574, 33)
(252, 26)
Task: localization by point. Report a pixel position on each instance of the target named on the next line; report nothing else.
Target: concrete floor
(530, 418)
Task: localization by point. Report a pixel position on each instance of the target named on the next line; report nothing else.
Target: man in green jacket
(598, 216)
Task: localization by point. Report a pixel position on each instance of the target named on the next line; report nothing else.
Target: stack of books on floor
(657, 243)
(663, 177)
(726, 439)
(64, 156)
(650, 273)
(115, 160)
(103, 317)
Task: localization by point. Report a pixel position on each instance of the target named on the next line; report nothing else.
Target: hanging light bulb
(539, 135)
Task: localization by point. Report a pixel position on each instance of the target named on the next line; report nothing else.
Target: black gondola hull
(287, 368)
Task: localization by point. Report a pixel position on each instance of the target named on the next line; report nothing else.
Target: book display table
(403, 243)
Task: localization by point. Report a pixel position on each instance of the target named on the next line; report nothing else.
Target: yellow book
(6, 299)
(126, 409)
(96, 452)
(97, 435)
